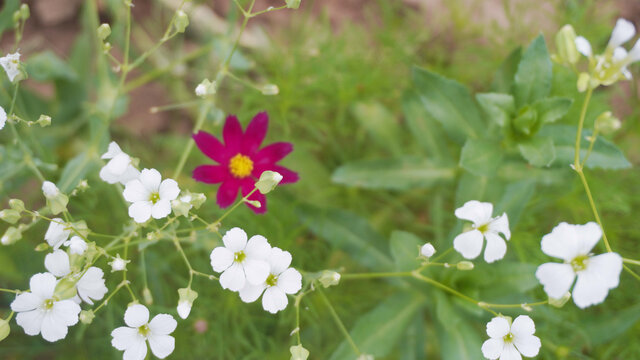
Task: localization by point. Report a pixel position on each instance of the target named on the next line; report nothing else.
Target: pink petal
(273, 153)
(211, 146)
(227, 192)
(232, 134)
(248, 185)
(255, 133)
(211, 174)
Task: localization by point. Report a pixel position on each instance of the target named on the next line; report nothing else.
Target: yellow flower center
(154, 197)
(239, 256)
(272, 280)
(508, 338)
(240, 166)
(483, 228)
(144, 330)
(48, 304)
(579, 263)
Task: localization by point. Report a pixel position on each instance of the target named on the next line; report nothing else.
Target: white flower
(133, 337)
(3, 118)
(596, 274)
(57, 263)
(282, 280)
(583, 46)
(57, 233)
(49, 189)
(118, 264)
(10, 64)
(76, 245)
(150, 196)
(119, 168)
(201, 90)
(622, 32)
(39, 312)
(91, 286)
(241, 261)
(507, 341)
(427, 250)
(184, 308)
(469, 243)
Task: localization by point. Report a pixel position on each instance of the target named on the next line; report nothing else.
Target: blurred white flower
(469, 243)
(10, 63)
(150, 196)
(282, 280)
(427, 250)
(119, 168)
(76, 245)
(50, 189)
(133, 337)
(507, 341)
(3, 117)
(57, 263)
(596, 274)
(241, 261)
(57, 233)
(185, 302)
(91, 286)
(40, 313)
(184, 309)
(118, 264)
(206, 88)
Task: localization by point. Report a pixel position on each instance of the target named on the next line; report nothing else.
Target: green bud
(181, 22)
(293, 4)
(11, 236)
(187, 294)
(146, 295)
(566, 45)
(16, 18)
(206, 88)
(24, 12)
(606, 123)
(87, 316)
(103, 31)
(526, 120)
(197, 200)
(81, 227)
(464, 265)
(182, 205)
(583, 82)
(270, 89)
(65, 289)
(254, 203)
(5, 329)
(561, 301)
(42, 247)
(17, 205)
(58, 203)
(299, 353)
(268, 181)
(329, 278)
(44, 120)
(106, 47)
(9, 215)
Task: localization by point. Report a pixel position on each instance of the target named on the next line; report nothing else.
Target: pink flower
(241, 160)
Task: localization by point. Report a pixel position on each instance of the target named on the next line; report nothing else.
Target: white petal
(523, 326)
(184, 309)
(290, 281)
(162, 345)
(169, 190)
(274, 300)
(427, 250)
(77, 245)
(257, 271)
(475, 211)
(622, 32)
(137, 350)
(492, 348)
(501, 225)
(221, 258)
(57, 263)
(26, 302)
(56, 233)
(107, 176)
(52, 330)
(279, 260)
(608, 267)
(233, 278)
(124, 337)
(634, 54)
(510, 353)
(112, 151)
(602, 273)
(141, 211)
(130, 174)
(118, 165)
(583, 46)
(562, 242)
(556, 278)
(258, 248)
(251, 293)
(498, 327)
(66, 312)
(469, 244)
(134, 191)
(43, 285)
(161, 209)
(235, 239)
(619, 54)
(163, 324)
(91, 285)
(588, 236)
(150, 179)
(31, 321)
(136, 315)
(496, 247)
(528, 345)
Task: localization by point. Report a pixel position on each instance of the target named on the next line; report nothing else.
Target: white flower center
(483, 228)
(48, 304)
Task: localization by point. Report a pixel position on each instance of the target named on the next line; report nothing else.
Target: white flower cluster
(252, 267)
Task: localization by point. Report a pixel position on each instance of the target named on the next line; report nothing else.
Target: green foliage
(481, 157)
(532, 81)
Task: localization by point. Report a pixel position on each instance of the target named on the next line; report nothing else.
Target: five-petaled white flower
(596, 274)
(241, 261)
(150, 195)
(39, 311)
(282, 280)
(507, 341)
(133, 337)
(90, 286)
(469, 243)
(76, 245)
(119, 168)
(57, 233)
(3, 117)
(10, 63)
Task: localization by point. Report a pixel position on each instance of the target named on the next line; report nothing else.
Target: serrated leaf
(394, 174)
(538, 151)
(499, 108)
(552, 109)
(533, 78)
(427, 132)
(481, 157)
(380, 123)
(405, 248)
(449, 103)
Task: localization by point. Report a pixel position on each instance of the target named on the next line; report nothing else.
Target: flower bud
(206, 88)
(299, 353)
(106, 47)
(65, 289)
(146, 295)
(254, 203)
(56, 200)
(181, 22)
(427, 250)
(118, 264)
(197, 200)
(103, 31)
(5, 329)
(561, 301)
(42, 247)
(293, 4)
(526, 120)
(87, 316)
(182, 205)
(566, 45)
(464, 265)
(268, 181)
(17, 205)
(270, 89)
(9, 215)
(44, 120)
(329, 278)
(606, 123)
(25, 13)
(16, 18)
(583, 82)
(10, 236)
(185, 302)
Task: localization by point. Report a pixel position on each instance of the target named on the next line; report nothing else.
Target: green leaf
(47, 66)
(503, 79)
(603, 328)
(377, 332)
(74, 171)
(458, 340)
(450, 103)
(6, 15)
(533, 78)
(380, 124)
(471, 187)
(413, 344)
(605, 155)
(515, 279)
(515, 198)
(500, 108)
(539, 151)
(481, 157)
(405, 248)
(349, 232)
(394, 174)
(552, 109)
(427, 132)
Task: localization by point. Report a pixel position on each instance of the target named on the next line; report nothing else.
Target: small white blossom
(3, 117)
(184, 309)
(282, 280)
(427, 250)
(57, 233)
(91, 286)
(76, 245)
(597, 274)
(241, 261)
(118, 264)
(39, 312)
(187, 297)
(469, 243)
(119, 169)
(507, 341)
(150, 196)
(50, 190)
(132, 339)
(10, 63)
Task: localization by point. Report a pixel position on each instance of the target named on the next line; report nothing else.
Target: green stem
(592, 142)
(106, 301)
(338, 322)
(375, 275)
(583, 114)
(219, 221)
(631, 261)
(10, 291)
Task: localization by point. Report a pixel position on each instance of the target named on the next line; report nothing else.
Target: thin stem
(187, 149)
(235, 206)
(631, 261)
(106, 301)
(592, 203)
(338, 322)
(186, 260)
(583, 114)
(10, 291)
(592, 142)
(267, 10)
(375, 275)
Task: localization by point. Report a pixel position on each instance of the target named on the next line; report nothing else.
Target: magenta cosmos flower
(241, 160)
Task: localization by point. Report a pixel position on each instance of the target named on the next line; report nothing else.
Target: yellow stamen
(240, 166)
